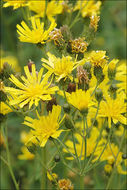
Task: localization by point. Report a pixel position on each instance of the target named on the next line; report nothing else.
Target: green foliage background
(111, 36)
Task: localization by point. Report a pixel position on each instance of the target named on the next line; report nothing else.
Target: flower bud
(87, 66)
(31, 147)
(98, 72)
(3, 96)
(66, 108)
(68, 122)
(98, 94)
(57, 158)
(50, 104)
(30, 65)
(124, 156)
(71, 87)
(84, 112)
(2, 118)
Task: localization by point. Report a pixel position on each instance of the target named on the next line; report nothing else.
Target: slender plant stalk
(8, 163)
(44, 172)
(114, 167)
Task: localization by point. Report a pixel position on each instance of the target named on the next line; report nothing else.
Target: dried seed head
(82, 75)
(78, 45)
(56, 36)
(65, 184)
(94, 19)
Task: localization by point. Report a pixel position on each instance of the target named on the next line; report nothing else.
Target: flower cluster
(73, 101)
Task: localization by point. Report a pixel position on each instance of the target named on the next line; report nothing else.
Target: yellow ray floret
(98, 58)
(45, 126)
(32, 89)
(36, 34)
(51, 9)
(15, 3)
(113, 109)
(80, 99)
(88, 8)
(61, 67)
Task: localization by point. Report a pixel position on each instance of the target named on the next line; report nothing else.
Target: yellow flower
(36, 34)
(26, 155)
(108, 168)
(52, 177)
(32, 89)
(4, 108)
(65, 184)
(15, 3)
(98, 58)
(94, 19)
(53, 8)
(80, 99)
(91, 143)
(26, 136)
(45, 126)
(109, 154)
(113, 109)
(12, 61)
(112, 64)
(61, 67)
(88, 8)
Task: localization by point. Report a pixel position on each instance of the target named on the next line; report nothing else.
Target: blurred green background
(111, 36)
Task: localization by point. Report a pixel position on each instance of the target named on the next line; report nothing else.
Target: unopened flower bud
(30, 65)
(71, 87)
(57, 158)
(2, 118)
(87, 66)
(31, 147)
(84, 112)
(98, 94)
(124, 156)
(68, 122)
(50, 104)
(66, 108)
(3, 96)
(98, 72)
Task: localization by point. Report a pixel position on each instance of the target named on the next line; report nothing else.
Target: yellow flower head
(45, 126)
(52, 177)
(65, 184)
(26, 155)
(61, 67)
(12, 61)
(32, 89)
(113, 109)
(98, 58)
(112, 64)
(4, 108)
(108, 168)
(15, 3)
(91, 143)
(36, 34)
(94, 19)
(53, 8)
(88, 8)
(80, 99)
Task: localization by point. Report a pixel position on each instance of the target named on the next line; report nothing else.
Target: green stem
(74, 144)
(114, 167)
(66, 148)
(63, 158)
(5, 135)
(87, 168)
(94, 89)
(44, 172)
